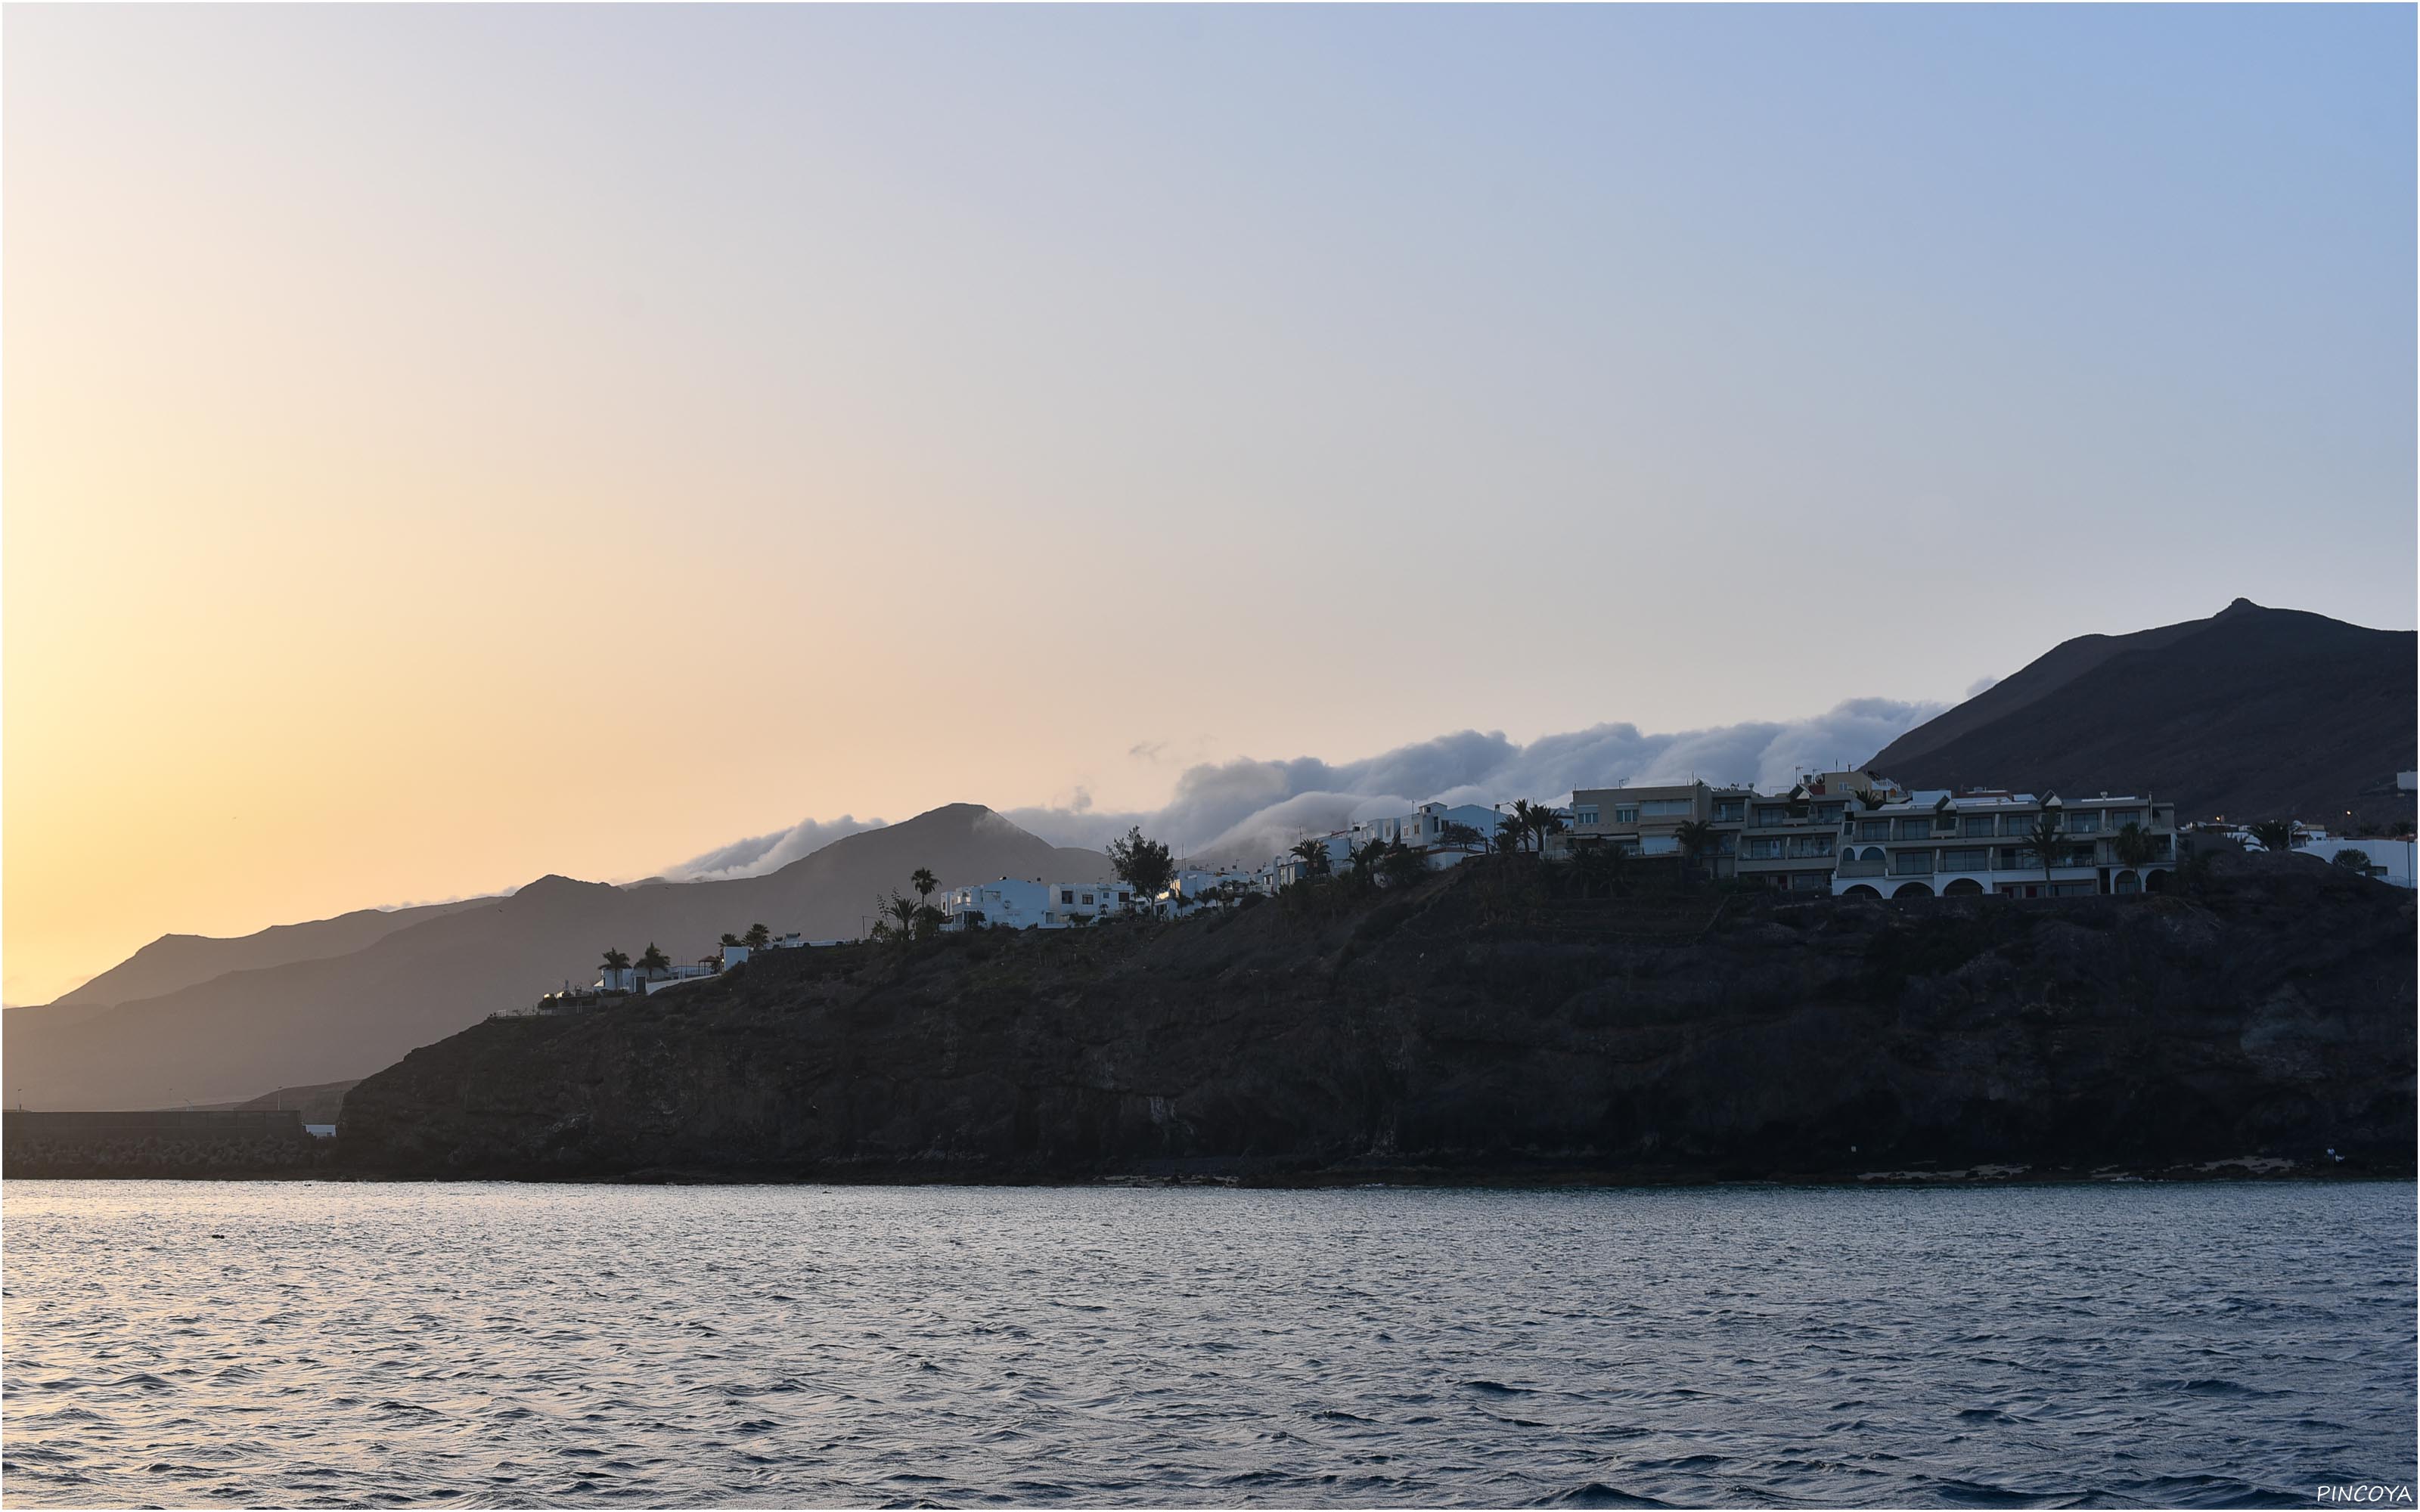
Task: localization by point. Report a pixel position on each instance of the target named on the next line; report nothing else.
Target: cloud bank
(760, 853)
(1250, 809)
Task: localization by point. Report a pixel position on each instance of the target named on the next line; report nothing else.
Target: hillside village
(1844, 834)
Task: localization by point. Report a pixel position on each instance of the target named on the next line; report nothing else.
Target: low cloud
(1252, 809)
(1983, 684)
(760, 853)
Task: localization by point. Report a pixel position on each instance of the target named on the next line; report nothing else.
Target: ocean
(358, 1343)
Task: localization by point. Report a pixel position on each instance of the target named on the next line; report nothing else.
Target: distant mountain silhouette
(175, 961)
(2253, 712)
(305, 1021)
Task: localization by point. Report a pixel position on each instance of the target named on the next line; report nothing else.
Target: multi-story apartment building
(1789, 840)
(1786, 841)
(1923, 845)
(1641, 821)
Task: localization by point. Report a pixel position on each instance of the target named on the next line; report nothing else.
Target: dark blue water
(299, 1345)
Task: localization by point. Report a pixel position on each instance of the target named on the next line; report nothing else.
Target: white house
(2390, 860)
(1015, 902)
(1424, 829)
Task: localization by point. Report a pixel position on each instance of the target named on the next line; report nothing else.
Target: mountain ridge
(325, 1019)
(2249, 713)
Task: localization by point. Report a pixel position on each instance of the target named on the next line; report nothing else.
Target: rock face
(1472, 1028)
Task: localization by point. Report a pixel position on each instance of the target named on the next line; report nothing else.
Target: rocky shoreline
(1479, 1029)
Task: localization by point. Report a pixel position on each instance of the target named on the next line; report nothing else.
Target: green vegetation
(1698, 839)
(2043, 840)
(1145, 865)
(2134, 845)
(2274, 834)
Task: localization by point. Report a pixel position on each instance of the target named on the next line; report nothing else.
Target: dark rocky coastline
(1476, 1029)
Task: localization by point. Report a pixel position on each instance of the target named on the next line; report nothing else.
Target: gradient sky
(444, 445)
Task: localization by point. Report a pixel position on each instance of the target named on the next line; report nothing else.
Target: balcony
(1853, 868)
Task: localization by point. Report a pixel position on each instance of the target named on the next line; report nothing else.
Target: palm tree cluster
(904, 920)
(1527, 827)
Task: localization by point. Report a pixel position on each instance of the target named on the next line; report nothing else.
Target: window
(2085, 822)
(2018, 824)
(1067, 895)
(1873, 829)
(1810, 845)
(1805, 881)
(1088, 898)
(1729, 810)
(1967, 860)
(1772, 813)
(1658, 845)
(2120, 818)
(1626, 816)
(2011, 858)
(1913, 863)
(1825, 812)
(1667, 808)
(1978, 824)
(1584, 816)
(1767, 849)
(1916, 829)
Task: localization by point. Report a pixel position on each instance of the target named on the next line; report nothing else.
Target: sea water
(303, 1344)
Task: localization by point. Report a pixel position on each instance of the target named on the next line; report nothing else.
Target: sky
(446, 445)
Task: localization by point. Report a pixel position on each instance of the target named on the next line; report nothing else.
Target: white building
(1015, 902)
(1938, 842)
(2390, 860)
(1424, 829)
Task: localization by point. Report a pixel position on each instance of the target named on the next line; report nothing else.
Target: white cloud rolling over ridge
(1250, 809)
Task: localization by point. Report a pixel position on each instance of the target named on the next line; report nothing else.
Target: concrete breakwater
(167, 1142)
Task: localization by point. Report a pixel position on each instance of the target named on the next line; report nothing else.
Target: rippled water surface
(300, 1344)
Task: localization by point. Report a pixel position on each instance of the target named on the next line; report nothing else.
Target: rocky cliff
(1476, 1027)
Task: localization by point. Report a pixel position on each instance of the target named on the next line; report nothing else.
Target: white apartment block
(1939, 843)
(1015, 902)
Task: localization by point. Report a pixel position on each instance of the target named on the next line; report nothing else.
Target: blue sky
(1042, 400)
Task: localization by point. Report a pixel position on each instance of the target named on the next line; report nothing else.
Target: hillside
(2250, 713)
(1472, 1029)
(305, 1021)
(175, 961)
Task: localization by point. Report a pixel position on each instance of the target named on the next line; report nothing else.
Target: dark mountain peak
(555, 884)
(2253, 712)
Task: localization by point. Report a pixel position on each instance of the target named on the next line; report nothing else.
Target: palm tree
(1362, 866)
(1313, 855)
(653, 961)
(617, 961)
(729, 940)
(758, 937)
(922, 879)
(902, 912)
(2134, 845)
(1532, 823)
(1454, 835)
(2274, 834)
(1698, 839)
(2043, 840)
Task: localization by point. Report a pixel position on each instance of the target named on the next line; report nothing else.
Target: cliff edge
(1474, 1028)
